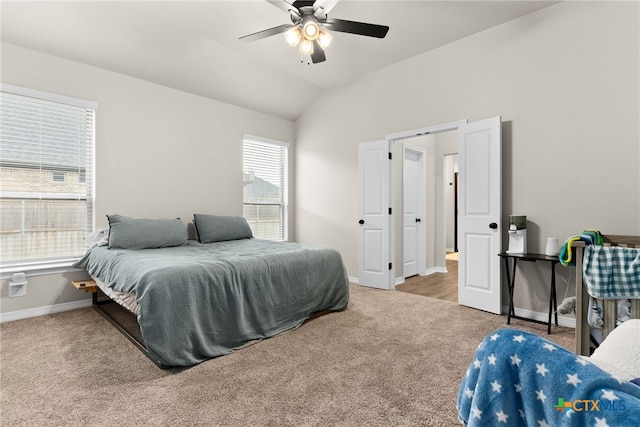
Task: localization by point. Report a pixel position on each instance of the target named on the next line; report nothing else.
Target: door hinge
(390, 156)
(390, 211)
(390, 266)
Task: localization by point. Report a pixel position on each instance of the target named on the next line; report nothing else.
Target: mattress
(125, 299)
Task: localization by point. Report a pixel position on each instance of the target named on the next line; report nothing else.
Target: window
(265, 172)
(46, 160)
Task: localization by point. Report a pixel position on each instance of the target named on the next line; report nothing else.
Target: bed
(203, 299)
(586, 256)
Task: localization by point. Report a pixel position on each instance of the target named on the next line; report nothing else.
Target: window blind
(46, 169)
(265, 178)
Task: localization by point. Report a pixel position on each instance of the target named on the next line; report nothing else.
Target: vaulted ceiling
(193, 46)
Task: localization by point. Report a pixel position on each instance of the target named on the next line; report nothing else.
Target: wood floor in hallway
(442, 286)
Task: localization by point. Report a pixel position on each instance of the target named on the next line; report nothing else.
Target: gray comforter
(200, 301)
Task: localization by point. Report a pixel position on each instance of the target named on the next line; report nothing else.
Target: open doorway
(479, 217)
(426, 227)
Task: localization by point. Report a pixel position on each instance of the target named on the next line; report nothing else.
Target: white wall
(451, 168)
(446, 143)
(159, 152)
(565, 81)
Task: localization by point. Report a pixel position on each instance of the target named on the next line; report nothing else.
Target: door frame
(422, 201)
(399, 136)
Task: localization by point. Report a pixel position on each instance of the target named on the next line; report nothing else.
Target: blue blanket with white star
(520, 379)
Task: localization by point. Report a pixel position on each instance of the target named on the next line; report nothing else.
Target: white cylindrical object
(18, 277)
(553, 246)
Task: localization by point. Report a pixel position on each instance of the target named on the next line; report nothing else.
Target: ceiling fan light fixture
(306, 47)
(324, 38)
(310, 29)
(293, 36)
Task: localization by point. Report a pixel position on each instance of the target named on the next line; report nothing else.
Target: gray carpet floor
(390, 359)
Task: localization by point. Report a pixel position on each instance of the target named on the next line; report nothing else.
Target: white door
(374, 263)
(413, 199)
(480, 208)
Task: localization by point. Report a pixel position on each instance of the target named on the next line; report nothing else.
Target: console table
(511, 280)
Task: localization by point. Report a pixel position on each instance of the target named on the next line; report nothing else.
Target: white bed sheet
(125, 299)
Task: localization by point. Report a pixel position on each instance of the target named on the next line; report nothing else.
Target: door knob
(418, 220)
(361, 222)
(493, 226)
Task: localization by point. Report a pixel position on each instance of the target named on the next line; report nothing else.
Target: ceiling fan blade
(266, 33)
(323, 7)
(360, 28)
(318, 53)
(286, 6)
(303, 3)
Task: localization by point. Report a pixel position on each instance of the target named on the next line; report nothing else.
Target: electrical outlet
(17, 289)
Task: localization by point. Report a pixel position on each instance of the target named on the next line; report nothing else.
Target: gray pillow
(144, 233)
(213, 228)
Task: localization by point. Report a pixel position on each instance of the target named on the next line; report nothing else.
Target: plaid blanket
(612, 272)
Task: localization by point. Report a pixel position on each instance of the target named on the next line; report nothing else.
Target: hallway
(442, 286)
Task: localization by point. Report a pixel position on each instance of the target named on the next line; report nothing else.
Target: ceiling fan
(310, 27)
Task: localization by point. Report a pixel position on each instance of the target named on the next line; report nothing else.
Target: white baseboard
(426, 272)
(567, 322)
(564, 321)
(356, 281)
(434, 270)
(41, 311)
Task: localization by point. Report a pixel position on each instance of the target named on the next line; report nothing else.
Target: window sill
(39, 269)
